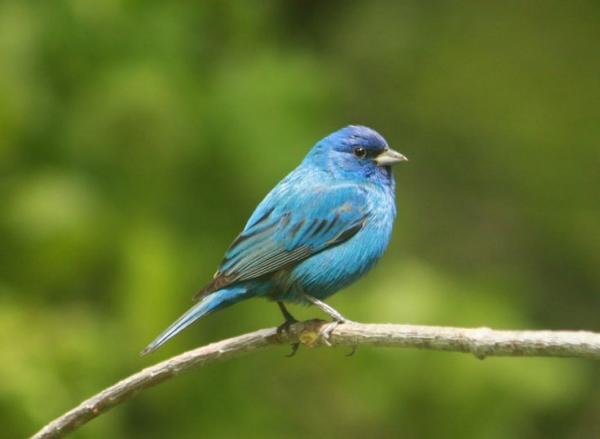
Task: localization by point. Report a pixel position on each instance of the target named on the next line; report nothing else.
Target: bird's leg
(289, 320)
(331, 312)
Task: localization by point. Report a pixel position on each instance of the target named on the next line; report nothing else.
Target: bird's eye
(360, 152)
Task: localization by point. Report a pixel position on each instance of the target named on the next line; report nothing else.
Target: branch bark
(481, 342)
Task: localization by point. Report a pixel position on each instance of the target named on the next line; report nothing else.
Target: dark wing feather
(290, 233)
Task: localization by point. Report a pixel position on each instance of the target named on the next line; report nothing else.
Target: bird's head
(356, 152)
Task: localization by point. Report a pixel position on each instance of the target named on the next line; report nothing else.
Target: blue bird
(320, 229)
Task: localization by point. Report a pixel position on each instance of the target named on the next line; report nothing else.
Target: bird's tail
(207, 305)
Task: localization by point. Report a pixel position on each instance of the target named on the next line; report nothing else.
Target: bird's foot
(295, 347)
(289, 320)
(338, 319)
(285, 328)
(326, 330)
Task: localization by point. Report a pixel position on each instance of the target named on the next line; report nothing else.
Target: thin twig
(481, 342)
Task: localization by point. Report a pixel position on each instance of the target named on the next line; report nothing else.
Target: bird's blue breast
(325, 273)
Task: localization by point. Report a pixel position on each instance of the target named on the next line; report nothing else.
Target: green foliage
(136, 138)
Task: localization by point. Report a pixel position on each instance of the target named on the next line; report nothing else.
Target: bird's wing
(285, 230)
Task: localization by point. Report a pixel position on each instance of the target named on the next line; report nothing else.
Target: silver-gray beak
(389, 157)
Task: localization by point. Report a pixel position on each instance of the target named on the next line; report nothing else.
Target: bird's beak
(389, 157)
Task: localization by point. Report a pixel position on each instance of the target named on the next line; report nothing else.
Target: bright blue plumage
(320, 229)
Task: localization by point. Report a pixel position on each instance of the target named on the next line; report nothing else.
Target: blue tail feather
(207, 305)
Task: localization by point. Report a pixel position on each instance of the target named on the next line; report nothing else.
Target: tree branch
(481, 342)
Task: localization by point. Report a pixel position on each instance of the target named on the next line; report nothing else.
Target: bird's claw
(284, 328)
(326, 331)
(295, 347)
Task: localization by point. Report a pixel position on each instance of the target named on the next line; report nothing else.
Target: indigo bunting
(320, 229)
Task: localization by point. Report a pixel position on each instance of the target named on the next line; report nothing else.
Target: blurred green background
(136, 137)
